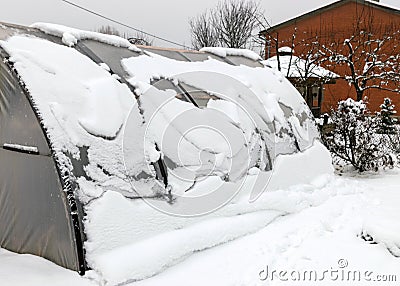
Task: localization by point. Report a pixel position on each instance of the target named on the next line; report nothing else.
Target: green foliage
(387, 121)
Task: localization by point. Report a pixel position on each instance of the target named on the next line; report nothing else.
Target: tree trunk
(360, 95)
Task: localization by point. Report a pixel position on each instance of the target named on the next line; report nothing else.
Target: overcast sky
(165, 18)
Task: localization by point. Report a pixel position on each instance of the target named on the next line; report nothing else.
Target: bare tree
(232, 24)
(110, 30)
(371, 58)
(235, 22)
(267, 40)
(301, 64)
(307, 66)
(203, 31)
(139, 38)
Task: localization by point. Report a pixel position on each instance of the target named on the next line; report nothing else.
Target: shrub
(387, 122)
(353, 138)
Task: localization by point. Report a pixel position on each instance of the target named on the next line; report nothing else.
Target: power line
(125, 25)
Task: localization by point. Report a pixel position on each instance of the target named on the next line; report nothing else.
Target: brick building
(335, 23)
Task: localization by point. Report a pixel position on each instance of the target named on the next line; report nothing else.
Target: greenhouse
(112, 153)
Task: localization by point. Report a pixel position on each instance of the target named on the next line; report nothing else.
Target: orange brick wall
(336, 25)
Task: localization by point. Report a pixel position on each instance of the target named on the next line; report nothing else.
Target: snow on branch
(372, 59)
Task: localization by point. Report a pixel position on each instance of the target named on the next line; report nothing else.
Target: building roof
(375, 4)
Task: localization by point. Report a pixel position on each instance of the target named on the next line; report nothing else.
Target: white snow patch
(323, 224)
(25, 269)
(259, 104)
(71, 36)
(303, 167)
(224, 52)
(285, 50)
(312, 239)
(226, 107)
(164, 240)
(166, 249)
(103, 96)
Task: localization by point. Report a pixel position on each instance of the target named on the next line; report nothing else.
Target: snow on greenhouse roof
(71, 36)
(83, 105)
(98, 108)
(224, 52)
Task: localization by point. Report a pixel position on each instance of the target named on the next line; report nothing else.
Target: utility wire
(125, 25)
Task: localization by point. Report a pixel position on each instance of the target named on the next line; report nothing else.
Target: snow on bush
(354, 139)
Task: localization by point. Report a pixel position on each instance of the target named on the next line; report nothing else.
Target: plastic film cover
(34, 213)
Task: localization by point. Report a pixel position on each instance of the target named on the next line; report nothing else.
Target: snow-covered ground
(320, 234)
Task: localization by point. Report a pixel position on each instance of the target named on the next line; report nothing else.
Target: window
(185, 92)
